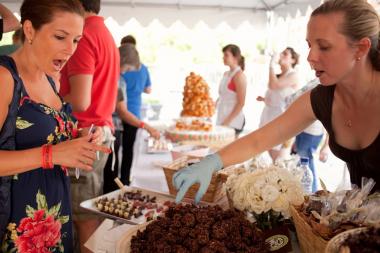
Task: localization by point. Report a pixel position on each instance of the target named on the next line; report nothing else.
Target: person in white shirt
(279, 87)
(232, 90)
(307, 142)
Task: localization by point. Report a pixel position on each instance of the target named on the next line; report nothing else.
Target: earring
(358, 59)
(30, 41)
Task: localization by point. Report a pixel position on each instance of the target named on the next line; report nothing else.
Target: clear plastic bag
(356, 207)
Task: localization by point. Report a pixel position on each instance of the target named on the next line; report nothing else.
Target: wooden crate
(214, 193)
(308, 240)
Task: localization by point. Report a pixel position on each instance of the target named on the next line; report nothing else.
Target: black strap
(52, 83)
(8, 62)
(1, 28)
(7, 141)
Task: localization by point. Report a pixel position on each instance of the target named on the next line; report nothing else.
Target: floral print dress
(41, 210)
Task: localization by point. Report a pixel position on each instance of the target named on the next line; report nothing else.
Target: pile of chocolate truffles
(188, 228)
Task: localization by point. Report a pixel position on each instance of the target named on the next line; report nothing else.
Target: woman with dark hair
(137, 79)
(232, 90)
(37, 143)
(129, 61)
(344, 52)
(279, 87)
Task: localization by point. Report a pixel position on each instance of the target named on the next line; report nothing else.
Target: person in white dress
(308, 141)
(232, 90)
(279, 87)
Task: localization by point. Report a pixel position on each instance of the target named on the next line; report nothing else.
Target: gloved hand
(197, 173)
(273, 60)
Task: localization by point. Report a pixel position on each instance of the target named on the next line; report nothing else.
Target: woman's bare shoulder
(6, 84)
(240, 76)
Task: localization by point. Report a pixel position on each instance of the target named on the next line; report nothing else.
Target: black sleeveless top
(361, 163)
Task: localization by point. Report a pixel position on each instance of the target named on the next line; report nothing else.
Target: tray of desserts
(129, 205)
(157, 146)
(189, 228)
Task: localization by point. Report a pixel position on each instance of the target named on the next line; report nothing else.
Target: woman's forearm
(14, 162)
(126, 116)
(131, 119)
(293, 121)
(238, 151)
(273, 80)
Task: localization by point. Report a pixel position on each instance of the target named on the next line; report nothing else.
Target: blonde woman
(344, 52)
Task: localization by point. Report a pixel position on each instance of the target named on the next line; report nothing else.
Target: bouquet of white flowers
(266, 193)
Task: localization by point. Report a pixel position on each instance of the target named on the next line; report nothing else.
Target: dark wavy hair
(129, 55)
(129, 39)
(91, 5)
(235, 51)
(295, 55)
(41, 12)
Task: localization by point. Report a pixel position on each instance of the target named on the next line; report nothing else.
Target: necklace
(348, 123)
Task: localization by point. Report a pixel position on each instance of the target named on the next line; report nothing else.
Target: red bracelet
(47, 156)
(142, 124)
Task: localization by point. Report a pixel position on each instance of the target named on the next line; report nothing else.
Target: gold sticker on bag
(276, 242)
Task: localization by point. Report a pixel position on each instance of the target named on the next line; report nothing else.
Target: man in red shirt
(89, 82)
(8, 21)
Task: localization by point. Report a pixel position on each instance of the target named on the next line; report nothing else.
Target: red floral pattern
(39, 233)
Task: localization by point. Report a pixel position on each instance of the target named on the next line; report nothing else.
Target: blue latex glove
(197, 173)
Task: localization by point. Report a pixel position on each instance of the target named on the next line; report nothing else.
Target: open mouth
(319, 73)
(58, 64)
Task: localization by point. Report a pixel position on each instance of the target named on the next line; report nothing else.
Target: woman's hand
(77, 153)
(97, 135)
(274, 59)
(197, 173)
(226, 122)
(153, 132)
(324, 154)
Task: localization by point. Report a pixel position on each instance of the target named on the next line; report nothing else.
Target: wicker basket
(335, 243)
(308, 240)
(214, 192)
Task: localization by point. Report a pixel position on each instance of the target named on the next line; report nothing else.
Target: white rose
(258, 173)
(273, 178)
(270, 193)
(257, 206)
(294, 194)
(281, 204)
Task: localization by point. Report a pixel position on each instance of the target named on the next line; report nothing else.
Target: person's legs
(118, 141)
(239, 131)
(109, 174)
(129, 137)
(306, 145)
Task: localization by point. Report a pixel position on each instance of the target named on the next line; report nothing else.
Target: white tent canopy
(190, 12)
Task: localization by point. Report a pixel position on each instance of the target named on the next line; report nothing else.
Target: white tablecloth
(106, 236)
(145, 172)
(147, 175)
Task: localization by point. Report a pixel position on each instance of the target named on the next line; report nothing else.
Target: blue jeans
(306, 145)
